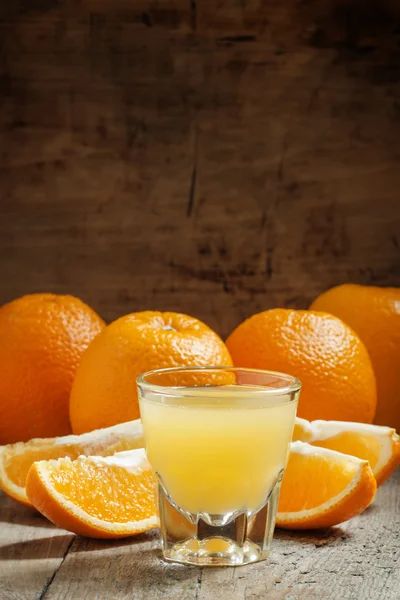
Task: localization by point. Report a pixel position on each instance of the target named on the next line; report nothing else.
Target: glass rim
(292, 387)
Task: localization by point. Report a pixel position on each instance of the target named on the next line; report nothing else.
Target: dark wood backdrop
(216, 158)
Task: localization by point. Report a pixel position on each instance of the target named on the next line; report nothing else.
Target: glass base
(215, 552)
(233, 539)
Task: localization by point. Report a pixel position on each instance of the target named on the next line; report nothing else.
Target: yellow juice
(221, 452)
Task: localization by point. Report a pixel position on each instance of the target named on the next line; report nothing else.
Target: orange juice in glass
(218, 441)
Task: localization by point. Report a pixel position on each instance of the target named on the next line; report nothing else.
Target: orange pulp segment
(379, 445)
(322, 488)
(16, 459)
(101, 497)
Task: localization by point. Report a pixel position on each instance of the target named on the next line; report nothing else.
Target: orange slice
(101, 497)
(16, 459)
(379, 445)
(322, 488)
(113, 496)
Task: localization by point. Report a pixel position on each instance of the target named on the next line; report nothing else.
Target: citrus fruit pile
(68, 382)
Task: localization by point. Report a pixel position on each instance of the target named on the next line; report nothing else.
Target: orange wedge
(379, 445)
(113, 496)
(322, 488)
(101, 497)
(16, 459)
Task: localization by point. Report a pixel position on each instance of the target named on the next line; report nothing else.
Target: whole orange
(323, 352)
(374, 314)
(104, 391)
(42, 339)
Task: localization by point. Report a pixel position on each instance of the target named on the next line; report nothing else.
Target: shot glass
(218, 441)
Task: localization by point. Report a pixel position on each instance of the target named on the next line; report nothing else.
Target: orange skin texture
(330, 360)
(104, 391)
(42, 339)
(374, 314)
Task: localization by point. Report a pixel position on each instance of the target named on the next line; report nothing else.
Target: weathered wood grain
(31, 551)
(211, 159)
(356, 561)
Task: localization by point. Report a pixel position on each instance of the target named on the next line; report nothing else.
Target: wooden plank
(121, 571)
(176, 14)
(31, 551)
(356, 561)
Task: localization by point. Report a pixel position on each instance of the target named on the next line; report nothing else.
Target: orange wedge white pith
(101, 497)
(322, 488)
(379, 445)
(16, 459)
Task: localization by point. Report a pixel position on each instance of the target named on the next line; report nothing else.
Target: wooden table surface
(357, 561)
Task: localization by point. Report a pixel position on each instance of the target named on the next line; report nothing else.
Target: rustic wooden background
(213, 157)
